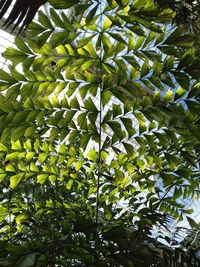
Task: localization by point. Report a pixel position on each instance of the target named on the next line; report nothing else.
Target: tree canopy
(99, 137)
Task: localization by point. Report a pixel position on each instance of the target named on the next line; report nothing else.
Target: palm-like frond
(23, 11)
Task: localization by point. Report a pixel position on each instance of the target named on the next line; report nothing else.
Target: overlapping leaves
(109, 93)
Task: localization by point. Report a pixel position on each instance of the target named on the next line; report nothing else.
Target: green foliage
(99, 119)
(187, 16)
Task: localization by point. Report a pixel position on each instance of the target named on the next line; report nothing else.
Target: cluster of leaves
(99, 119)
(187, 11)
(187, 16)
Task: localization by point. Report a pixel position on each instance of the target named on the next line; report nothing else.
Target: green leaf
(192, 223)
(74, 104)
(116, 128)
(129, 149)
(91, 14)
(41, 179)
(42, 157)
(33, 167)
(168, 96)
(15, 56)
(82, 42)
(78, 165)
(29, 260)
(18, 132)
(92, 155)
(14, 180)
(44, 20)
(84, 140)
(21, 45)
(122, 3)
(6, 77)
(59, 4)
(56, 19)
(172, 160)
(82, 121)
(12, 156)
(106, 23)
(3, 212)
(145, 68)
(183, 79)
(129, 126)
(89, 105)
(3, 148)
(117, 37)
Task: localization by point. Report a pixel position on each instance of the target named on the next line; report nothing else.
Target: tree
(23, 11)
(99, 137)
(187, 16)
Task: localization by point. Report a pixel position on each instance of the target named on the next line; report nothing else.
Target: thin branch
(163, 197)
(99, 148)
(100, 127)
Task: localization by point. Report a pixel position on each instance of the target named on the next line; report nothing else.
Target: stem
(100, 123)
(160, 201)
(99, 148)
